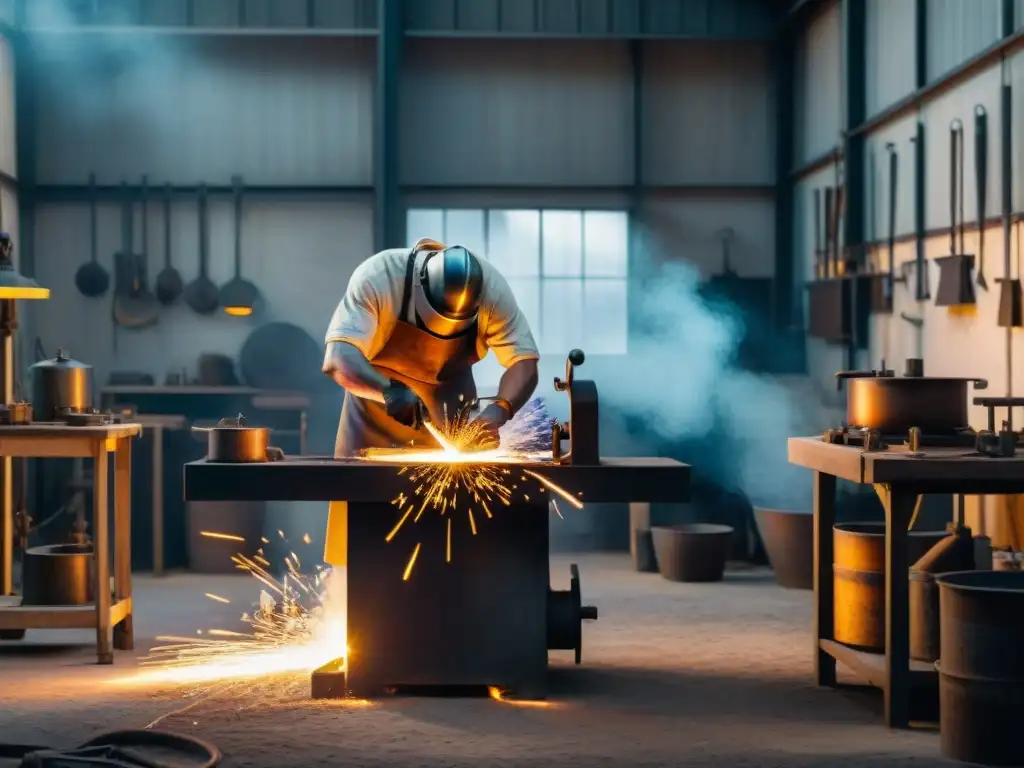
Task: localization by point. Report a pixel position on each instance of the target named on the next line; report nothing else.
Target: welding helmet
(448, 286)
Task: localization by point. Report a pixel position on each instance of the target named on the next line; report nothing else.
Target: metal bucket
(692, 552)
(788, 538)
(859, 579)
(924, 616)
(981, 671)
(59, 574)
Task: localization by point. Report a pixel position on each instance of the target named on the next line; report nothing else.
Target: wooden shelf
(14, 615)
(871, 666)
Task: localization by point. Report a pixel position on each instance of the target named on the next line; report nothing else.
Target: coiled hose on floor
(115, 750)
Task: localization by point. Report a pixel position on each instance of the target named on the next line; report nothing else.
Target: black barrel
(981, 669)
(859, 579)
(59, 574)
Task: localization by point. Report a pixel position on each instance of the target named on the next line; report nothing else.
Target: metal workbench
(900, 478)
(478, 608)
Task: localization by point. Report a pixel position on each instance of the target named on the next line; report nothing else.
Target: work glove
(491, 419)
(403, 405)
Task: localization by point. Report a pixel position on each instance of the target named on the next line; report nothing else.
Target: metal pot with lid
(233, 441)
(891, 404)
(60, 385)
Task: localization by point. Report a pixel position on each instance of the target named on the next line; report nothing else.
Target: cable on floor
(115, 750)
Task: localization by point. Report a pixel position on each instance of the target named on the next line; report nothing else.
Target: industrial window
(568, 268)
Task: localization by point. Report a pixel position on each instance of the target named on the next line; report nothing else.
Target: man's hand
(403, 405)
(490, 420)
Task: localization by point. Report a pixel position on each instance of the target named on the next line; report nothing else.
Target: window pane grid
(568, 268)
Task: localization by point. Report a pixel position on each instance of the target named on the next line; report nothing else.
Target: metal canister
(859, 580)
(60, 385)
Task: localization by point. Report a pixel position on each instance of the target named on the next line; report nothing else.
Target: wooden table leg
(6, 526)
(158, 500)
(824, 586)
(898, 511)
(101, 544)
(124, 633)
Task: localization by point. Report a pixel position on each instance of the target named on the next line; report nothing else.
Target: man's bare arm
(518, 383)
(349, 367)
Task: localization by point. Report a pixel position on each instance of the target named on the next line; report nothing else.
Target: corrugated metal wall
(709, 114)
(960, 104)
(8, 136)
(818, 92)
(877, 176)
(890, 58)
(958, 30)
(688, 230)
(553, 112)
(295, 112)
(516, 112)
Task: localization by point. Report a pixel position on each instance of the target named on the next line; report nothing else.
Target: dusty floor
(673, 675)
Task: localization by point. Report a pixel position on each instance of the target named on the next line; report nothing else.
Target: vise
(582, 429)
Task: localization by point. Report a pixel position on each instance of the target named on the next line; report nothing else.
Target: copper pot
(893, 404)
(233, 442)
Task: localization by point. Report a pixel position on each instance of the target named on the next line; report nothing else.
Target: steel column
(920, 43)
(854, 49)
(787, 309)
(1009, 19)
(388, 214)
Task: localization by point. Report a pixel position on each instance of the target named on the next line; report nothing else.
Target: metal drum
(59, 574)
(859, 578)
(981, 669)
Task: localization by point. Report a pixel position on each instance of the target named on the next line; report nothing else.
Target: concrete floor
(673, 675)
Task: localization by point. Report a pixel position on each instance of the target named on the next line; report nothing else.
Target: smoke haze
(681, 386)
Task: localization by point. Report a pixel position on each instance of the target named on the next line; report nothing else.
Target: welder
(402, 344)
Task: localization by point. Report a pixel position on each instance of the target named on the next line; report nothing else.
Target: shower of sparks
(412, 562)
(298, 625)
(221, 536)
(454, 477)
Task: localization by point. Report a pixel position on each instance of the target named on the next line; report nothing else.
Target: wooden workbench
(900, 478)
(41, 441)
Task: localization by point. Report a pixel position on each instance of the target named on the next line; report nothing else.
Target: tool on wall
(894, 165)
(818, 247)
(239, 297)
(92, 279)
(883, 290)
(202, 294)
(956, 288)
(829, 205)
(136, 306)
(1011, 296)
(981, 184)
(168, 283)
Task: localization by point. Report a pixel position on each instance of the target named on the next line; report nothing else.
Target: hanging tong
(894, 164)
(956, 288)
(956, 187)
(981, 182)
(817, 235)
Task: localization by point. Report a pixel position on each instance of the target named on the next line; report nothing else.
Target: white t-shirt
(368, 312)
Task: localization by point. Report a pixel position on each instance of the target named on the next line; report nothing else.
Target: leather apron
(437, 369)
